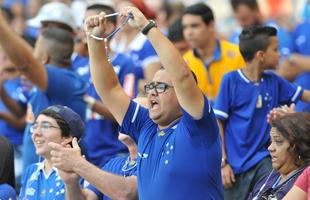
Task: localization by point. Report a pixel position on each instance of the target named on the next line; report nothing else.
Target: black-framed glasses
(44, 127)
(159, 87)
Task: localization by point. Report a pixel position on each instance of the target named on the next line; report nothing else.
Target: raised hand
(66, 158)
(96, 25)
(138, 20)
(280, 111)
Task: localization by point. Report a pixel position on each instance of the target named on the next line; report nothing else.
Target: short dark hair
(175, 31)
(102, 8)
(59, 45)
(252, 4)
(64, 126)
(295, 127)
(202, 10)
(254, 39)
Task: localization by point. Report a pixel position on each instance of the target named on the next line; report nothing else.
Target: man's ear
(45, 59)
(260, 55)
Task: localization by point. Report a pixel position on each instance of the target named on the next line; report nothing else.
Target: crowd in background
(249, 58)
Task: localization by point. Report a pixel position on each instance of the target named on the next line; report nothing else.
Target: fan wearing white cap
(54, 14)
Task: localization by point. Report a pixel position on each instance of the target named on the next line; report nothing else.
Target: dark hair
(252, 4)
(202, 10)
(295, 127)
(175, 31)
(64, 126)
(254, 39)
(59, 45)
(102, 8)
(6, 162)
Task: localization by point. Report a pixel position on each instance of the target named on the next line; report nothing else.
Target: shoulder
(189, 54)
(231, 76)
(7, 192)
(272, 75)
(228, 45)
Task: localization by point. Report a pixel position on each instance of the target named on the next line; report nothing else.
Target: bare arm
(221, 129)
(99, 107)
(70, 159)
(306, 96)
(114, 186)
(13, 106)
(228, 177)
(18, 123)
(301, 61)
(295, 194)
(103, 75)
(189, 95)
(20, 53)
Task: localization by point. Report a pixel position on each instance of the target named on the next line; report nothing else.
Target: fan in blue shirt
(57, 124)
(47, 68)
(101, 132)
(247, 14)
(246, 97)
(179, 147)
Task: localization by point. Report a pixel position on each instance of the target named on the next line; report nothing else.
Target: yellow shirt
(226, 58)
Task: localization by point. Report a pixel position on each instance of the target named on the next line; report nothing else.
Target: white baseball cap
(54, 12)
(108, 3)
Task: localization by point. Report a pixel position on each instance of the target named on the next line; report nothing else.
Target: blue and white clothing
(244, 106)
(182, 161)
(7, 192)
(285, 39)
(13, 89)
(64, 88)
(302, 39)
(120, 165)
(140, 51)
(304, 81)
(36, 184)
(101, 136)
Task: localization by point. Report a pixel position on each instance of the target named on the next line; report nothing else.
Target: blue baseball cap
(74, 121)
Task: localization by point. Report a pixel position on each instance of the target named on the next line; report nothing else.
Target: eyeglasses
(44, 127)
(159, 87)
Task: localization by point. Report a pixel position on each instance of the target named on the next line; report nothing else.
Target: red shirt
(303, 182)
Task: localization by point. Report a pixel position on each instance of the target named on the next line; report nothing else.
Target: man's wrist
(151, 24)
(224, 162)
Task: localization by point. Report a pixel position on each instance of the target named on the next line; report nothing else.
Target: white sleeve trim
(296, 94)
(221, 113)
(135, 114)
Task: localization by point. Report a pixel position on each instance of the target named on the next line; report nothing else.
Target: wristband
(148, 27)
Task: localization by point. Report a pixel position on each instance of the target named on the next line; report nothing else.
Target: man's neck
(47, 166)
(253, 72)
(59, 65)
(206, 52)
(161, 127)
(130, 36)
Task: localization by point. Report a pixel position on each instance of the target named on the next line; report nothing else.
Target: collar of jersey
(243, 77)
